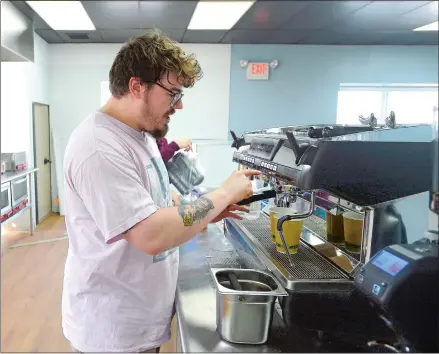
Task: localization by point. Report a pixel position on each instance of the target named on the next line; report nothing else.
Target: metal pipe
(294, 217)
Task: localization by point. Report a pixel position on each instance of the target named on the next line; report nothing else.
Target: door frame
(37, 218)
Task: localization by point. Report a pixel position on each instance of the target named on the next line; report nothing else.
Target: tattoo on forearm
(195, 211)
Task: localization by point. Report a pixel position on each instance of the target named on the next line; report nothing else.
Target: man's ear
(135, 87)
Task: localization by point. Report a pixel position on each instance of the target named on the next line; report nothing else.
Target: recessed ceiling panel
(81, 36)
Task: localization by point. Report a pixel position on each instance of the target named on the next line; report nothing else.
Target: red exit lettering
(258, 69)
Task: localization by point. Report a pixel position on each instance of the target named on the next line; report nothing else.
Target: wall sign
(258, 71)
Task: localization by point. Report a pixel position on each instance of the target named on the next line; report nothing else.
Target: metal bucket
(244, 316)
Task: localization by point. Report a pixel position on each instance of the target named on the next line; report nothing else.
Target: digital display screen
(389, 263)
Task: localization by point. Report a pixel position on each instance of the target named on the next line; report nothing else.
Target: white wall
(21, 84)
(75, 77)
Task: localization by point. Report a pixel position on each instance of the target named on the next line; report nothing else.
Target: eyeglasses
(176, 96)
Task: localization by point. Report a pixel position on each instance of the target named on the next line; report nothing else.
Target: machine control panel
(265, 148)
(393, 267)
(267, 166)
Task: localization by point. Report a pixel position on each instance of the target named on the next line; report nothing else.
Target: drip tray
(310, 269)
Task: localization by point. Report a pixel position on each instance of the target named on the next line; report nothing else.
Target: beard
(160, 133)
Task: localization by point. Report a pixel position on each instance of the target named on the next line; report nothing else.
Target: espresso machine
(324, 172)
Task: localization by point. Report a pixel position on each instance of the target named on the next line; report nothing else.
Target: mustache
(170, 112)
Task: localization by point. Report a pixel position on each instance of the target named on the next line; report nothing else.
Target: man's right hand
(238, 186)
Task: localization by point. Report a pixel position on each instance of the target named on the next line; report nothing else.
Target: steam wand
(294, 217)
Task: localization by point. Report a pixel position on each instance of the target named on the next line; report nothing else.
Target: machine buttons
(383, 284)
(376, 289)
(360, 278)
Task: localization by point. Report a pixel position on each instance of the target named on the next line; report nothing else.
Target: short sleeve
(113, 193)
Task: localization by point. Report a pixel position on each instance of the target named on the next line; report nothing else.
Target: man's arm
(170, 227)
(167, 150)
(176, 198)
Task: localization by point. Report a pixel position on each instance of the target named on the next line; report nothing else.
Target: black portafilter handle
(258, 197)
(237, 142)
(234, 281)
(298, 149)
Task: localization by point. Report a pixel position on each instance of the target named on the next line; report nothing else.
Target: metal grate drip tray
(308, 264)
(222, 259)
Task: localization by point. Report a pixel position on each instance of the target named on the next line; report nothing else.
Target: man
(121, 268)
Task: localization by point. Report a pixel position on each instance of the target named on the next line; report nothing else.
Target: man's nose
(179, 104)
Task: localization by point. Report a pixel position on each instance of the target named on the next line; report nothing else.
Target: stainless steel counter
(10, 176)
(196, 301)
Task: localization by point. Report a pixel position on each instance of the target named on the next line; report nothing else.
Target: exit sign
(257, 71)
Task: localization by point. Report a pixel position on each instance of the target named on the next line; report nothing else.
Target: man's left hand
(229, 213)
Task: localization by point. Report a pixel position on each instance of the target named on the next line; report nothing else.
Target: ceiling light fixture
(218, 15)
(63, 15)
(430, 27)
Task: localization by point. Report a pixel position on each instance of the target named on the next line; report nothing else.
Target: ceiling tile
(166, 14)
(93, 36)
(379, 15)
(269, 14)
(419, 17)
(283, 37)
(321, 14)
(122, 35)
(351, 37)
(39, 23)
(195, 36)
(113, 14)
(244, 36)
(50, 36)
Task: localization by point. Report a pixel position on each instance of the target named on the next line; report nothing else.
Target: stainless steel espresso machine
(324, 172)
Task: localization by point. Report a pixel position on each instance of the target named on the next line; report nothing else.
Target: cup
(334, 228)
(273, 222)
(254, 210)
(292, 230)
(353, 230)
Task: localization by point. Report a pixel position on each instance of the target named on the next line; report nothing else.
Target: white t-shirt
(115, 297)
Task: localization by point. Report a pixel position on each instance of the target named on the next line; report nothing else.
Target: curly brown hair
(149, 57)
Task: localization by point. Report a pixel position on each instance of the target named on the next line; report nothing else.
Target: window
(412, 107)
(353, 103)
(411, 104)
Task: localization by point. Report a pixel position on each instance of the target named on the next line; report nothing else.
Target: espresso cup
(292, 230)
(334, 228)
(353, 230)
(273, 221)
